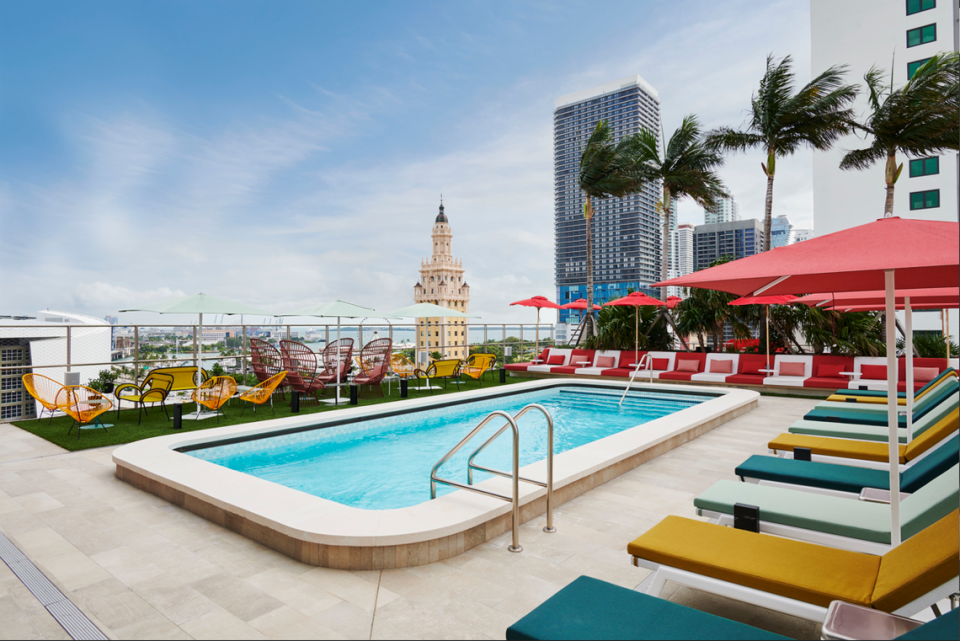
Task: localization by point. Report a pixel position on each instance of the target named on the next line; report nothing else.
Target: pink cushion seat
(791, 369)
(686, 365)
(924, 374)
(606, 361)
(724, 366)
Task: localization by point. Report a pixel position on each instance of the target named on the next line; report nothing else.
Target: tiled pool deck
(142, 568)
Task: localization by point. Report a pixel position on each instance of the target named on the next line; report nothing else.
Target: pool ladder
(644, 360)
(511, 422)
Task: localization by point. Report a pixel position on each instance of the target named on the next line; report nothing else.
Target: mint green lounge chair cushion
(857, 413)
(846, 517)
(879, 433)
(593, 609)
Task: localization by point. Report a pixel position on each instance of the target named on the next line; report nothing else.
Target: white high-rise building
(727, 210)
(683, 251)
(800, 235)
(863, 34)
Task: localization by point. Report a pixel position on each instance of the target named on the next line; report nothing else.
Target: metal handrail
(471, 466)
(636, 368)
(516, 476)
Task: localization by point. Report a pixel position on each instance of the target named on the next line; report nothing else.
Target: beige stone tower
(441, 283)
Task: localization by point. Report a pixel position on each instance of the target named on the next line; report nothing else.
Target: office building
(38, 344)
(626, 231)
(726, 210)
(781, 232)
(800, 235)
(736, 239)
(683, 250)
(863, 34)
(441, 283)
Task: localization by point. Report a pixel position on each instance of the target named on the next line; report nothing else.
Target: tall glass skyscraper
(626, 231)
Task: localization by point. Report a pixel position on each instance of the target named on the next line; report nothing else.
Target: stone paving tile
(143, 568)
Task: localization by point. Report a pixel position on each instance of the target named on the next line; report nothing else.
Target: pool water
(385, 463)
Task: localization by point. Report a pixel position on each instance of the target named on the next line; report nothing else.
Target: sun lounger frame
(662, 573)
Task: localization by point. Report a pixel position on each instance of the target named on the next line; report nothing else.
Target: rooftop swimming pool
(385, 463)
(350, 489)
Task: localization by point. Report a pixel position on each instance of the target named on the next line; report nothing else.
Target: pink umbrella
(539, 302)
(636, 299)
(581, 304)
(673, 301)
(766, 301)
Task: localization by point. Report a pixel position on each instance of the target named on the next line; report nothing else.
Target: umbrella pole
(908, 343)
(636, 334)
(339, 347)
(768, 337)
(893, 444)
(536, 347)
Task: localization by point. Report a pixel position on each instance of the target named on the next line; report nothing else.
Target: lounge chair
(337, 360)
(847, 480)
(878, 397)
(445, 369)
(402, 366)
(266, 361)
(263, 392)
(375, 364)
(477, 365)
(154, 389)
(852, 452)
(300, 363)
(799, 578)
(592, 609)
(45, 391)
(589, 608)
(215, 392)
(83, 405)
(864, 414)
(845, 523)
(874, 432)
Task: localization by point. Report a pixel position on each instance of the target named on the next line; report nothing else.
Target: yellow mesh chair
(83, 405)
(154, 389)
(263, 392)
(477, 365)
(402, 366)
(214, 393)
(446, 369)
(46, 391)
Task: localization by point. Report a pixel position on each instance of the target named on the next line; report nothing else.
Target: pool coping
(323, 532)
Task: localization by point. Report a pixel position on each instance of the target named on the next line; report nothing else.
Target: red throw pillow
(687, 365)
(924, 374)
(556, 360)
(660, 364)
(606, 361)
(721, 367)
(747, 367)
(874, 372)
(829, 370)
(791, 369)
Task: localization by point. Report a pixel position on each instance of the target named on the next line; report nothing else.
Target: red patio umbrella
(673, 301)
(766, 301)
(581, 304)
(539, 302)
(636, 299)
(930, 298)
(890, 252)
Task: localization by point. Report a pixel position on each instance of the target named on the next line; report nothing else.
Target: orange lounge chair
(263, 392)
(214, 393)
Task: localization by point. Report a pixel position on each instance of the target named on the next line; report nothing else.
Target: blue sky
(283, 154)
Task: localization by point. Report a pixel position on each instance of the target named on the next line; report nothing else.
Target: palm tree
(781, 122)
(921, 118)
(607, 170)
(686, 169)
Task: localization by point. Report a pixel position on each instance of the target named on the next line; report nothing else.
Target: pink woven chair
(267, 362)
(337, 357)
(301, 365)
(375, 362)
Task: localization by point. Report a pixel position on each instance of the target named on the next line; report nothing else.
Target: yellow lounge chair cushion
(869, 400)
(845, 448)
(939, 431)
(793, 569)
(923, 562)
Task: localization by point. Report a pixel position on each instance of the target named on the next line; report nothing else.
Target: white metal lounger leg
(941, 592)
(774, 602)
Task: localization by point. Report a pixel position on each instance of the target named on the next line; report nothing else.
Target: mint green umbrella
(199, 304)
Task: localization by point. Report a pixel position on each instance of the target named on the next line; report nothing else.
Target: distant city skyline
(252, 151)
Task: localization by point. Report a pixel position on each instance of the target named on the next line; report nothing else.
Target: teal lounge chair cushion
(846, 517)
(593, 609)
(857, 413)
(843, 478)
(879, 433)
(848, 478)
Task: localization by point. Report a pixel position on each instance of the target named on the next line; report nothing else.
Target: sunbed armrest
(874, 495)
(848, 621)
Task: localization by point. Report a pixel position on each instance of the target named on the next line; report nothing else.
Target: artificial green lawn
(126, 430)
